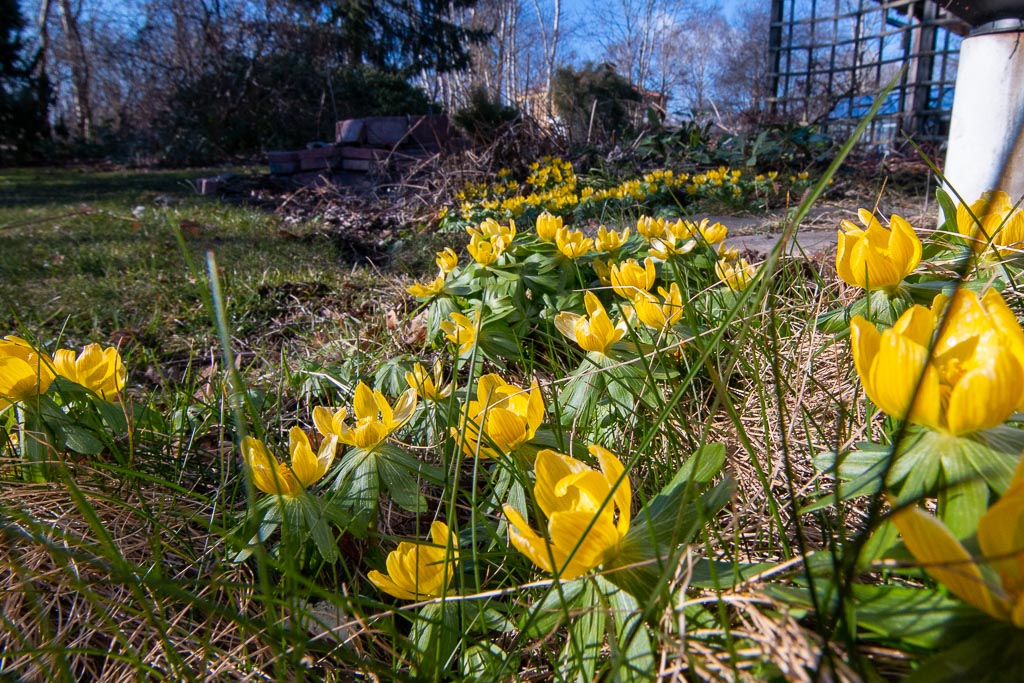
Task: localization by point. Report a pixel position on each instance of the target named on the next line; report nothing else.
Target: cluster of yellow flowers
(489, 240)
(26, 372)
(553, 186)
(955, 368)
(588, 512)
(375, 421)
(632, 281)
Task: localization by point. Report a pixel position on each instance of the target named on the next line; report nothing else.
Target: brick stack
(370, 145)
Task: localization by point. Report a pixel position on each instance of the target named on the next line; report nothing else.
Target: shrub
(596, 90)
(282, 100)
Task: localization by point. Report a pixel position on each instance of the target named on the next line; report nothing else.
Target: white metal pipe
(986, 134)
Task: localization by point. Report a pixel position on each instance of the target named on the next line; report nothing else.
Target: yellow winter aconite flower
(659, 314)
(610, 240)
(1001, 539)
(572, 243)
(998, 223)
(710, 234)
(594, 331)
(492, 230)
(427, 290)
(651, 228)
(548, 226)
(446, 260)
(429, 387)
(629, 278)
(604, 274)
(304, 469)
(24, 372)
(95, 368)
(668, 246)
(588, 513)
(729, 254)
(489, 240)
(974, 377)
(501, 419)
(877, 258)
(484, 251)
(375, 419)
(461, 330)
(736, 274)
(417, 571)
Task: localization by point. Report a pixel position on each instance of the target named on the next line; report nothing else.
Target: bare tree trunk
(79, 70)
(511, 48)
(550, 45)
(39, 71)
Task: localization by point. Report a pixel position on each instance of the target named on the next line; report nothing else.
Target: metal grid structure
(831, 58)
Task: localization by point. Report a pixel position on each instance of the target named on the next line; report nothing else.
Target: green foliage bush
(23, 96)
(594, 89)
(485, 116)
(776, 147)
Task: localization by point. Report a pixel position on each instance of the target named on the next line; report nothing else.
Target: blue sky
(576, 11)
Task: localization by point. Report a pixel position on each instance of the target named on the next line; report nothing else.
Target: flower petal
(1001, 537)
(405, 406)
(363, 403)
(565, 321)
(843, 267)
(304, 464)
(384, 583)
(904, 245)
(526, 539)
(326, 422)
(551, 467)
(614, 472)
(896, 373)
(944, 558)
(985, 396)
(583, 540)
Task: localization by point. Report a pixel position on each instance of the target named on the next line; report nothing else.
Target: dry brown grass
(71, 613)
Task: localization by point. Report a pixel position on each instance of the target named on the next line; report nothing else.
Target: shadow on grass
(23, 188)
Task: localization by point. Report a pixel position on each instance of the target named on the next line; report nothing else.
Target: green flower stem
(35, 446)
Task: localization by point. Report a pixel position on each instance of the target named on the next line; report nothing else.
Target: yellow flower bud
(501, 419)
(446, 260)
(737, 275)
(303, 470)
(610, 240)
(461, 330)
(659, 314)
(629, 277)
(548, 226)
(572, 243)
(375, 419)
(24, 372)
